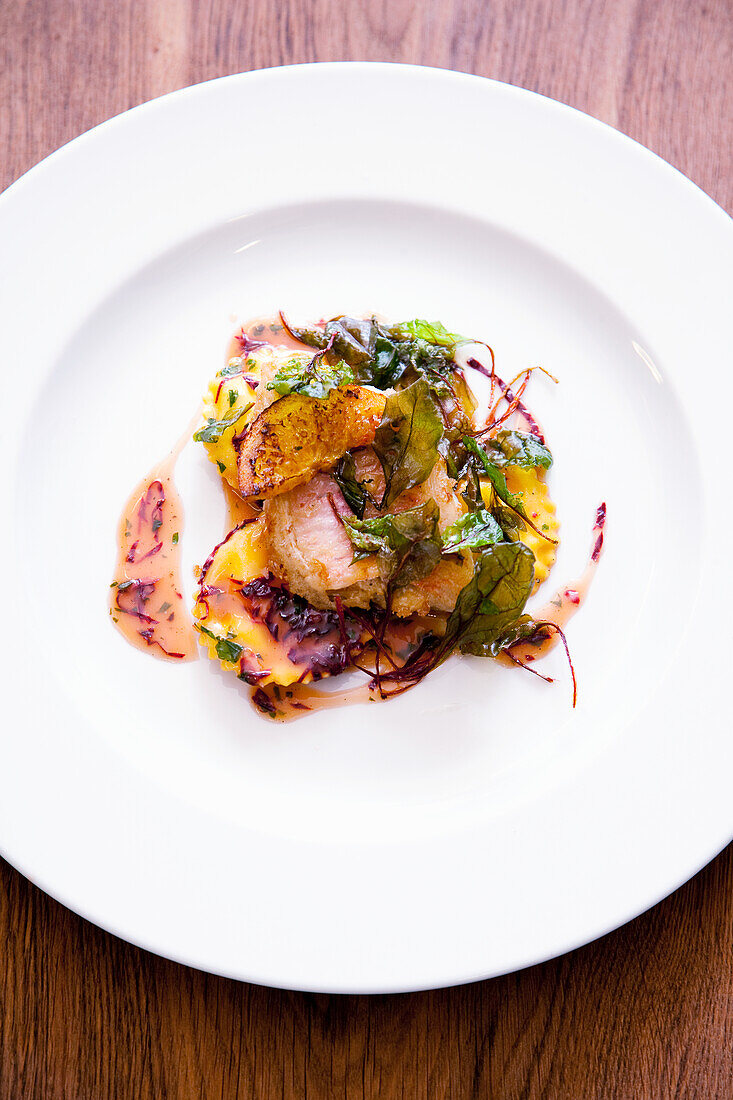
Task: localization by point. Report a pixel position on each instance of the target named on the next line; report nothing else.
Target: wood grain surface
(645, 1012)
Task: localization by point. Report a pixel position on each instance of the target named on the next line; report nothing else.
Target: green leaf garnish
(382, 355)
(474, 531)
(406, 441)
(213, 430)
(433, 332)
(232, 397)
(234, 366)
(495, 476)
(352, 489)
(486, 608)
(350, 338)
(513, 448)
(523, 630)
(493, 599)
(407, 544)
(226, 649)
(498, 481)
(174, 537)
(314, 378)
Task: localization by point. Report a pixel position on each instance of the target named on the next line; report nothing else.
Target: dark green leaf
(352, 490)
(524, 629)
(493, 600)
(387, 366)
(509, 521)
(232, 397)
(473, 531)
(406, 441)
(495, 476)
(221, 465)
(433, 332)
(498, 481)
(213, 430)
(486, 609)
(513, 448)
(350, 338)
(314, 378)
(382, 355)
(407, 543)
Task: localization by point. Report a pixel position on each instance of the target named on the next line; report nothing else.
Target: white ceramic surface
(477, 824)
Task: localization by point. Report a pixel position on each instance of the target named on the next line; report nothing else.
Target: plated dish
(389, 505)
(479, 823)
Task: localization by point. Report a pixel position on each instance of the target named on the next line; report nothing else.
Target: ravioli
(539, 506)
(255, 627)
(241, 387)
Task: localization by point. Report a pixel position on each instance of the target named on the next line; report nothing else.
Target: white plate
(477, 824)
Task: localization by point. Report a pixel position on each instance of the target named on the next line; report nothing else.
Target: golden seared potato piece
(530, 483)
(235, 397)
(298, 436)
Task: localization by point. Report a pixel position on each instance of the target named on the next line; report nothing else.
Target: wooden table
(645, 1012)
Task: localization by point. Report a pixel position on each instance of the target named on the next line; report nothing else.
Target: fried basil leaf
(388, 366)
(381, 355)
(433, 332)
(352, 489)
(474, 531)
(406, 441)
(513, 448)
(213, 429)
(350, 338)
(495, 476)
(407, 544)
(525, 630)
(493, 599)
(313, 379)
(510, 523)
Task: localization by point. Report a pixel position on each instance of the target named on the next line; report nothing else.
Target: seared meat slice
(310, 550)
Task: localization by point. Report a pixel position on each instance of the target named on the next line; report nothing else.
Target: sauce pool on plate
(146, 598)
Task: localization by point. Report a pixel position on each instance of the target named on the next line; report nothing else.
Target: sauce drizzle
(146, 601)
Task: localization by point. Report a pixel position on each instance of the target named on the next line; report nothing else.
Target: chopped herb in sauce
(214, 429)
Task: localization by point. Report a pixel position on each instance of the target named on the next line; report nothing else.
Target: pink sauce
(266, 330)
(146, 598)
(286, 704)
(237, 510)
